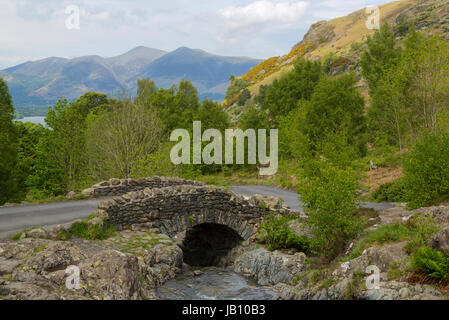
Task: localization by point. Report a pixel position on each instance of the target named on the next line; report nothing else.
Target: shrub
(278, 235)
(431, 262)
(392, 192)
(93, 232)
(426, 169)
(329, 198)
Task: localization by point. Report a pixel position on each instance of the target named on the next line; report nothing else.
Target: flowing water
(213, 284)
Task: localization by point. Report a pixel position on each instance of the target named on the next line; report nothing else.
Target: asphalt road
(291, 198)
(20, 217)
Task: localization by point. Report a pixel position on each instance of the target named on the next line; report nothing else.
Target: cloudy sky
(34, 29)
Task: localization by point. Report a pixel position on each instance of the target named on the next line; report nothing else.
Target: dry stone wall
(117, 187)
(175, 209)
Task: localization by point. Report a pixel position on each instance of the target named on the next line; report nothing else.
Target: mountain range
(39, 83)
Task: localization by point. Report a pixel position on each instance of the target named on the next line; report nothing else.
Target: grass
(18, 235)
(416, 231)
(93, 232)
(354, 287)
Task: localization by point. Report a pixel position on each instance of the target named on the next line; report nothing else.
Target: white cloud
(279, 14)
(31, 29)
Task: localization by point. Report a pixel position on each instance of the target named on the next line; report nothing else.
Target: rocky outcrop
(355, 289)
(117, 187)
(36, 268)
(440, 241)
(269, 268)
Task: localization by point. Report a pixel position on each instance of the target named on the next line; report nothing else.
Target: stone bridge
(117, 187)
(205, 220)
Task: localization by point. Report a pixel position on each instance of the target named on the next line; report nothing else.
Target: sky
(36, 29)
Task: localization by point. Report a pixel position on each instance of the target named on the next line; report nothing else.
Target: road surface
(21, 217)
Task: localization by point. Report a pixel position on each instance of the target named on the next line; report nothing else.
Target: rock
(104, 205)
(269, 268)
(198, 273)
(88, 192)
(37, 233)
(440, 241)
(382, 257)
(111, 275)
(114, 182)
(71, 195)
(95, 222)
(53, 255)
(404, 293)
(7, 266)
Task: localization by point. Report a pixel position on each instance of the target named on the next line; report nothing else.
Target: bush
(93, 232)
(278, 235)
(431, 262)
(392, 192)
(426, 170)
(329, 198)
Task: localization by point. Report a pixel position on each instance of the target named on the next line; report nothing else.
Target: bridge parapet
(175, 209)
(117, 187)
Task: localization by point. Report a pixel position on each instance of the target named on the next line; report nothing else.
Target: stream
(213, 284)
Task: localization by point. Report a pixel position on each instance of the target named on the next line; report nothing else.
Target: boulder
(71, 195)
(440, 241)
(381, 257)
(37, 233)
(111, 275)
(270, 268)
(88, 192)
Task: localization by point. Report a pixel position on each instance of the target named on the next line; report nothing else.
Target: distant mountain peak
(48, 79)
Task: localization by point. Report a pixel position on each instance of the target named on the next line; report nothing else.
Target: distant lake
(39, 120)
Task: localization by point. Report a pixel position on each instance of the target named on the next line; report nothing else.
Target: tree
(61, 163)
(336, 109)
(145, 89)
(118, 140)
(427, 62)
(212, 116)
(381, 53)
(329, 197)
(410, 94)
(426, 169)
(255, 119)
(8, 144)
(244, 96)
(29, 135)
(284, 94)
(176, 106)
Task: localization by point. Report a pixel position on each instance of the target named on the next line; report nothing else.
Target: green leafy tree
(145, 90)
(426, 169)
(381, 53)
(329, 197)
(284, 94)
(244, 96)
(118, 140)
(8, 144)
(255, 119)
(336, 109)
(29, 135)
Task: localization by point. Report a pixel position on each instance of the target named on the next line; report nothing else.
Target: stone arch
(209, 244)
(178, 224)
